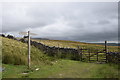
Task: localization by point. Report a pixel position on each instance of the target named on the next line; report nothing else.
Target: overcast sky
(78, 21)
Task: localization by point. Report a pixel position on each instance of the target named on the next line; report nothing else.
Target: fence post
(97, 56)
(58, 48)
(89, 55)
(81, 53)
(78, 51)
(106, 50)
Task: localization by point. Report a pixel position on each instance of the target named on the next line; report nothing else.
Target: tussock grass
(15, 52)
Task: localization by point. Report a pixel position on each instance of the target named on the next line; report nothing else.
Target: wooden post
(106, 46)
(78, 50)
(89, 55)
(106, 50)
(97, 56)
(81, 54)
(58, 48)
(28, 33)
(28, 49)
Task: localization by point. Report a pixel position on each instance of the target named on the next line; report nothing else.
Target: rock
(37, 69)
(60, 74)
(24, 73)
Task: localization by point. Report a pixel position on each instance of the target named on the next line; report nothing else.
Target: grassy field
(14, 59)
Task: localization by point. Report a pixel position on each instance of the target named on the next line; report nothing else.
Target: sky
(77, 21)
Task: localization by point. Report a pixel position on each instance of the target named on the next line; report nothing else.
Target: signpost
(28, 33)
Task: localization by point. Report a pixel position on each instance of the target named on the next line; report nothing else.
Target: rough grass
(15, 52)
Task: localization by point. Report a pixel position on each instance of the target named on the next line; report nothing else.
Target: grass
(63, 69)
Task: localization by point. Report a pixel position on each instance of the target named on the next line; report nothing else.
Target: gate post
(106, 51)
(79, 52)
(89, 55)
(97, 56)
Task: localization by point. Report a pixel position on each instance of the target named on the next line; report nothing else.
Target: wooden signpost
(28, 33)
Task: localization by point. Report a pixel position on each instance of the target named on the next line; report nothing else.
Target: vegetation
(14, 54)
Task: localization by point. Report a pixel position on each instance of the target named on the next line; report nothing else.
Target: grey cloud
(103, 22)
(72, 21)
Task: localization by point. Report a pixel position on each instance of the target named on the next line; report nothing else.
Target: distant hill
(41, 38)
(108, 44)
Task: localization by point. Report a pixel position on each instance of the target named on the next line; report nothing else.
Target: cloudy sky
(78, 21)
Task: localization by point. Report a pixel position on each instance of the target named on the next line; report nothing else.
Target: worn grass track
(64, 69)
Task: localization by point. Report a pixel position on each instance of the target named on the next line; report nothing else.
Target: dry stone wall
(56, 51)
